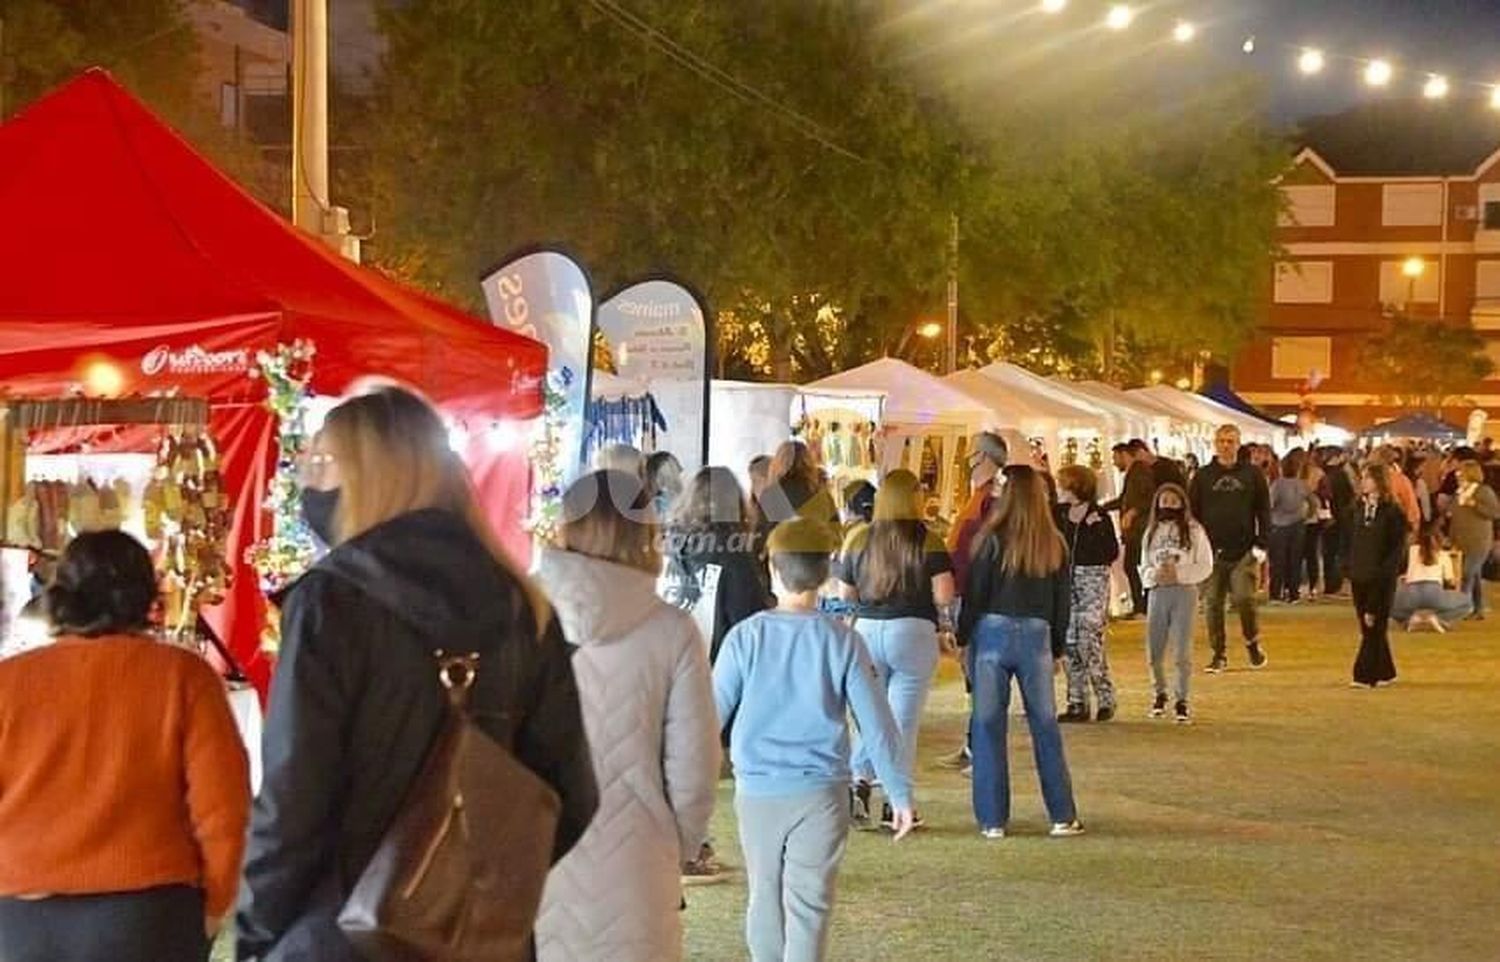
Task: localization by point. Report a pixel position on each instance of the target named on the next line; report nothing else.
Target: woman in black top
(1014, 622)
(900, 577)
(1377, 547)
(713, 569)
(1092, 549)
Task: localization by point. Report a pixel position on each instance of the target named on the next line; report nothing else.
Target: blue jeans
(905, 654)
(1004, 648)
(1473, 581)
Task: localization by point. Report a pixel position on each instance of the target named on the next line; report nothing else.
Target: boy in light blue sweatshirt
(785, 682)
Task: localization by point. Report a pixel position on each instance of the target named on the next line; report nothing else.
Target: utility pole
(952, 352)
(311, 207)
(2, 68)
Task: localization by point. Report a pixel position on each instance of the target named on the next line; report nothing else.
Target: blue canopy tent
(1423, 427)
(1226, 396)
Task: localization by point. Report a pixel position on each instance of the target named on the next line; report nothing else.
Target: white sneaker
(992, 834)
(1066, 829)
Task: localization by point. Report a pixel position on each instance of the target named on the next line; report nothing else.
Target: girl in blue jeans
(1014, 623)
(899, 576)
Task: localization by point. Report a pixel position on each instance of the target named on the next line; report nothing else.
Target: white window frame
(1395, 286)
(1309, 206)
(1297, 367)
(1412, 205)
(1297, 282)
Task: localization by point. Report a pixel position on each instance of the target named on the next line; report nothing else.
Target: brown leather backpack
(458, 876)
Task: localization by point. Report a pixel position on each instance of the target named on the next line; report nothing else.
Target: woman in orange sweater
(124, 789)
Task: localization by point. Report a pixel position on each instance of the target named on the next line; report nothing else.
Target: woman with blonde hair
(796, 488)
(357, 702)
(1475, 510)
(1014, 623)
(648, 706)
(897, 572)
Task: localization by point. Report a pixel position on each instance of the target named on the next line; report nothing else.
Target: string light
(1053, 6)
(1184, 32)
(1495, 97)
(1120, 17)
(1249, 45)
(1436, 87)
(1311, 61)
(1379, 73)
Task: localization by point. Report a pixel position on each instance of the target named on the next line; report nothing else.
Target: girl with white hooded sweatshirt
(648, 708)
(1176, 557)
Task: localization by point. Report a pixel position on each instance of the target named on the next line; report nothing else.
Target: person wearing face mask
(1175, 559)
(356, 702)
(1092, 549)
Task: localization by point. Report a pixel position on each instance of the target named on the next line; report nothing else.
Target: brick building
(1369, 192)
(244, 70)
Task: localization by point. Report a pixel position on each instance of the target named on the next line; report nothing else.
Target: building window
(1487, 280)
(1492, 348)
(1296, 358)
(1491, 215)
(229, 105)
(1304, 282)
(1396, 288)
(1308, 206)
(1412, 205)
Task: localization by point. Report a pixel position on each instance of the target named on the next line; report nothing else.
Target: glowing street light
(1311, 61)
(1413, 267)
(930, 330)
(1053, 6)
(1249, 45)
(1436, 87)
(1120, 17)
(1379, 73)
(1184, 32)
(1495, 97)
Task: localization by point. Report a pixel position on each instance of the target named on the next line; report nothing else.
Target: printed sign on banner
(657, 332)
(546, 296)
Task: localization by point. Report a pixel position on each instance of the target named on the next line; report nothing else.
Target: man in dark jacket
(1134, 505)
(1341, 499)
(356, 704)
(1233, 503)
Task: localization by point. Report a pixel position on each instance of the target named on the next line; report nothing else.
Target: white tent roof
(1010, 408)
(1207, 411)
(1070, 409)
(912, 395)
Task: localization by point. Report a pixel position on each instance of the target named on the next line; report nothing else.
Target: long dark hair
(1022, 521)
(894, 541)
(712, 503)
(1429, 540)
(105, 585)
(1184, 523)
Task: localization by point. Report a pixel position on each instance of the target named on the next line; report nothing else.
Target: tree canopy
(1426, 364)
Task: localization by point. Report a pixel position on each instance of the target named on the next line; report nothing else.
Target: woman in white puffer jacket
(647, 697)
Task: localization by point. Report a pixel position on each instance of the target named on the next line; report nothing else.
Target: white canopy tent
(1210, 414)
(922, 414)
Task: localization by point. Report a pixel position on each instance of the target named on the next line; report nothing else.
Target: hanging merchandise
(1095, 454)
(1070, 452)
(188, 509)
(627, 420)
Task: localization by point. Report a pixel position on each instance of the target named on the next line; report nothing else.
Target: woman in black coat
(1377, 549)
(356, 702)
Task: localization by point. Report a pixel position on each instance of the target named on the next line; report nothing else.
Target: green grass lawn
(1296, 819)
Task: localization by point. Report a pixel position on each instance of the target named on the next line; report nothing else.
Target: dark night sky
(1460, 38)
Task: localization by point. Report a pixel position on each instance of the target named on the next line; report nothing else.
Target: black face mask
(1169, 514)
(318, 510)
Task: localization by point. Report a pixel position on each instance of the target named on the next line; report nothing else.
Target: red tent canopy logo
(193, 360)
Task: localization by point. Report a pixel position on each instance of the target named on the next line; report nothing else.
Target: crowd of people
(682, 629)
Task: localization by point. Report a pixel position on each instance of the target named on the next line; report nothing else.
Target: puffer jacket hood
(596, 601)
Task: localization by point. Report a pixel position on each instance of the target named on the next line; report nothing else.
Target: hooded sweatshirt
(643, 680)
(356, 704)
(1234, 506)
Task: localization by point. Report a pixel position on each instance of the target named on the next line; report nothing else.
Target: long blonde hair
(607, 515)
(393, 457)
(1021, 519)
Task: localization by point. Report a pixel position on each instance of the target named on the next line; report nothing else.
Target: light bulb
(1053, 6)
(1184, 32)
(1120, 17)
(1249, 45)
(1495, 97)
(1379, 73)
(1311, 61)
(1436, 87)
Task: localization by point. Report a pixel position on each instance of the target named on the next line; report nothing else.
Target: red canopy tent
(122, 248)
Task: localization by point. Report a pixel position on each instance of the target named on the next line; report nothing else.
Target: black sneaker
(1159, 707)
(1105, 713)
(859, 805)
(1075, 713)
(1218, 664)
(1258, 657)
(1181, 715)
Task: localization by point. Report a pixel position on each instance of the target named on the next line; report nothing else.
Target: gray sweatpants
(1170, 612)
(793, 845)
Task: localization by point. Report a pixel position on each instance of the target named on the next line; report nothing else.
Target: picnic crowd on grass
(681, 630)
